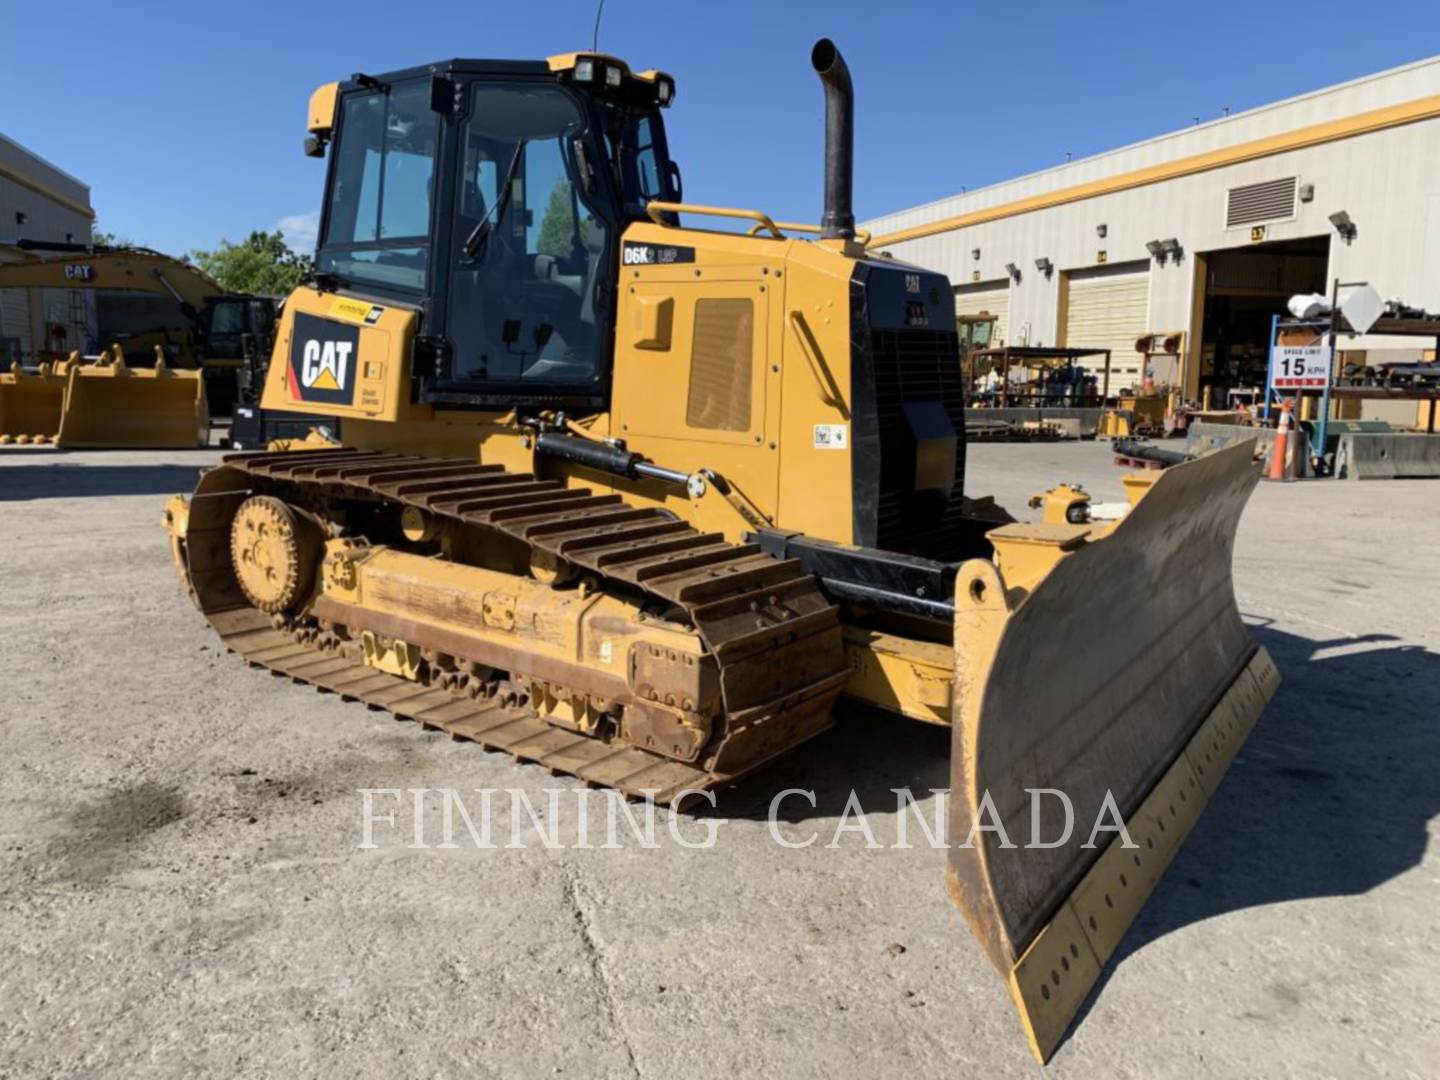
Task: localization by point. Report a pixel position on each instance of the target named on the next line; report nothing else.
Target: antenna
(595, 41)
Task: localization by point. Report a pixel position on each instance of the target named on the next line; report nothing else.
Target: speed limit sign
(1300, 367)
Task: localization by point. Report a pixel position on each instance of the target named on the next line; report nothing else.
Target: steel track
(774, 636)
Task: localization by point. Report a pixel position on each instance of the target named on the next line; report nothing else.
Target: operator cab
(491, 195)
(237, 328)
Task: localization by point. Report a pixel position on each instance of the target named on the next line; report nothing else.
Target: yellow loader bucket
(113, 405)
(30, 405)
(1123, 678)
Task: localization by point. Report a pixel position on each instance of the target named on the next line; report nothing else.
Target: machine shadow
(868, 751)
(61, 480)
(1330, 796)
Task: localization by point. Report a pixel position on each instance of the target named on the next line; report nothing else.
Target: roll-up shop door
(1107, 308)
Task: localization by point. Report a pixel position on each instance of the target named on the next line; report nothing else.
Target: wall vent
(1256, 204)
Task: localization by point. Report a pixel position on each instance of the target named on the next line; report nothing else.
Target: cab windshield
(529, 242)
(229, 320)
(378, 222)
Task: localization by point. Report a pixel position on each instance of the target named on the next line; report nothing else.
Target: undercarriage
(611, 642)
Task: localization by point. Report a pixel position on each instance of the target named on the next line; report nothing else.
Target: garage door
(14, 323)
(987, 298)
(1107, 309)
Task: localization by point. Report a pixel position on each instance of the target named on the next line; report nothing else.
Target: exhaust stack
(838, 220)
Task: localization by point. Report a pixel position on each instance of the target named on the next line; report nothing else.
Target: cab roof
(561, 62)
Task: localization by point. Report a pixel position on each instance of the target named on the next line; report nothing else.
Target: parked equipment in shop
(1135, 452)
(640, 501)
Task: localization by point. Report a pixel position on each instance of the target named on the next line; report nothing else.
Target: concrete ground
(183, 891)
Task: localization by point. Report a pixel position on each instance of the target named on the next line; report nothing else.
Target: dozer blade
(112, 405)
(30, 406)
(1124, 670)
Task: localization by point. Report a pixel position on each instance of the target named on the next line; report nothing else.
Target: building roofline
(1219, 121)
(46, 162)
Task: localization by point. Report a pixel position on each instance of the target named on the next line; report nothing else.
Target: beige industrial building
(1204, 233)
(41, 202)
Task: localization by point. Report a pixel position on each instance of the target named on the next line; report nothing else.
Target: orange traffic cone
(1281, 449)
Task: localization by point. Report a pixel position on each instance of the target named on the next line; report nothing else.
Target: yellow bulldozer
(155, 390)
(646, 502)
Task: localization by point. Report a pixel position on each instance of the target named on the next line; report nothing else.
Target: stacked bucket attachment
(111, 404)
(1107, 662)
(31, 404)
(104, 404)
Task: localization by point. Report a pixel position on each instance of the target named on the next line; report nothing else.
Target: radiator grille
(1254, 204)
(917, 365)
(720, 365)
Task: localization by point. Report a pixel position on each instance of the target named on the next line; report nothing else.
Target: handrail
(824, 381)
(777, 229)
(655, 209)
(862, 235)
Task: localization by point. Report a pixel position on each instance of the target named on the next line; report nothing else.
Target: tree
(263, 264)
(557, 227)
(100, 238)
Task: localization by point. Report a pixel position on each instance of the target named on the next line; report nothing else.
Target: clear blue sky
(187, 118)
